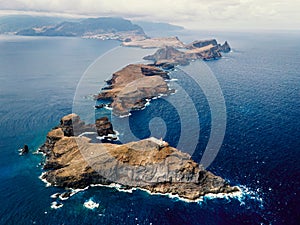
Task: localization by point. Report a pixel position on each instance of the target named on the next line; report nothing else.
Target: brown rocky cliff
(204, 49)
(130, 87)
(150, 164)
(71, 125)
(168, 55)
(225, 47)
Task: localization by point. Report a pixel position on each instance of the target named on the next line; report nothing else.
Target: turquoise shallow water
(260, 80)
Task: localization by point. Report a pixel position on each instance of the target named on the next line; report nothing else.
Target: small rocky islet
(151, 164)
(74, 161)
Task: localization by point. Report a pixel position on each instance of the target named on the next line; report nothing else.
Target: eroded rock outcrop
(150, 164)
(24, 150)
(71, 125)
(104, 127)
(225, 47)
(130, 87)
(168, 55)
(206, 50)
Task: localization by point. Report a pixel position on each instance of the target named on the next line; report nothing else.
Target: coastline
(237, 194)
(263, 162)
(242, 193)
(121, 89)
(151, 164)
(133, 88)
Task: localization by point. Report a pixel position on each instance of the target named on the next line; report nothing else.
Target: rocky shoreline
(74, 161)
(131, 87)
(150, 164)
(205, 50)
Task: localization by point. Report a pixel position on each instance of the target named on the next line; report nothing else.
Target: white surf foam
(56, 195)
(44, 180)
(90, 204)
(86, 133)
(124, 116)
(109, 136)
(56, 205)
(108, 108)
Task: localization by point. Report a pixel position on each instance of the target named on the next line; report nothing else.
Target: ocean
(43, 79)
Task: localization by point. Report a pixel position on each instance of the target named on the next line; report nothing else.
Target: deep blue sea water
(260, 80)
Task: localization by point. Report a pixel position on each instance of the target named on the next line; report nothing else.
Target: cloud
(189, 13)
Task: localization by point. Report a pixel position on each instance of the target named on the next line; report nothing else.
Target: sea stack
(24, 150)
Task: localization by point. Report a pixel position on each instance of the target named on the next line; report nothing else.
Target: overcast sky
(195, 14)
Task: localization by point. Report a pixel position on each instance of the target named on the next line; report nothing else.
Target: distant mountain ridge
(16, 23)
(91, 26)
(100, 28)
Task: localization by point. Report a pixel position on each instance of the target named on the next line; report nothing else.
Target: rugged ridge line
(150, 164)
(206, 50)
(131, 87)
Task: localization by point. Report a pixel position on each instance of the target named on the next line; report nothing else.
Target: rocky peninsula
(129, 88)
(76, 161)
(151, 164)
(206, 50)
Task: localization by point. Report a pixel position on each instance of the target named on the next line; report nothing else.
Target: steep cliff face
(72, 122)
(149, 164)
(203, 43)
(225, 47)
(130, 87)
(104, 127)
(71, 125)
(208, 53)
(168, 55)
(171, 56)
(206, 50)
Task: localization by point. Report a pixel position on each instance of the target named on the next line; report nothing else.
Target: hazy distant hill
(91, 26)
(16, 23)
(55, 26)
